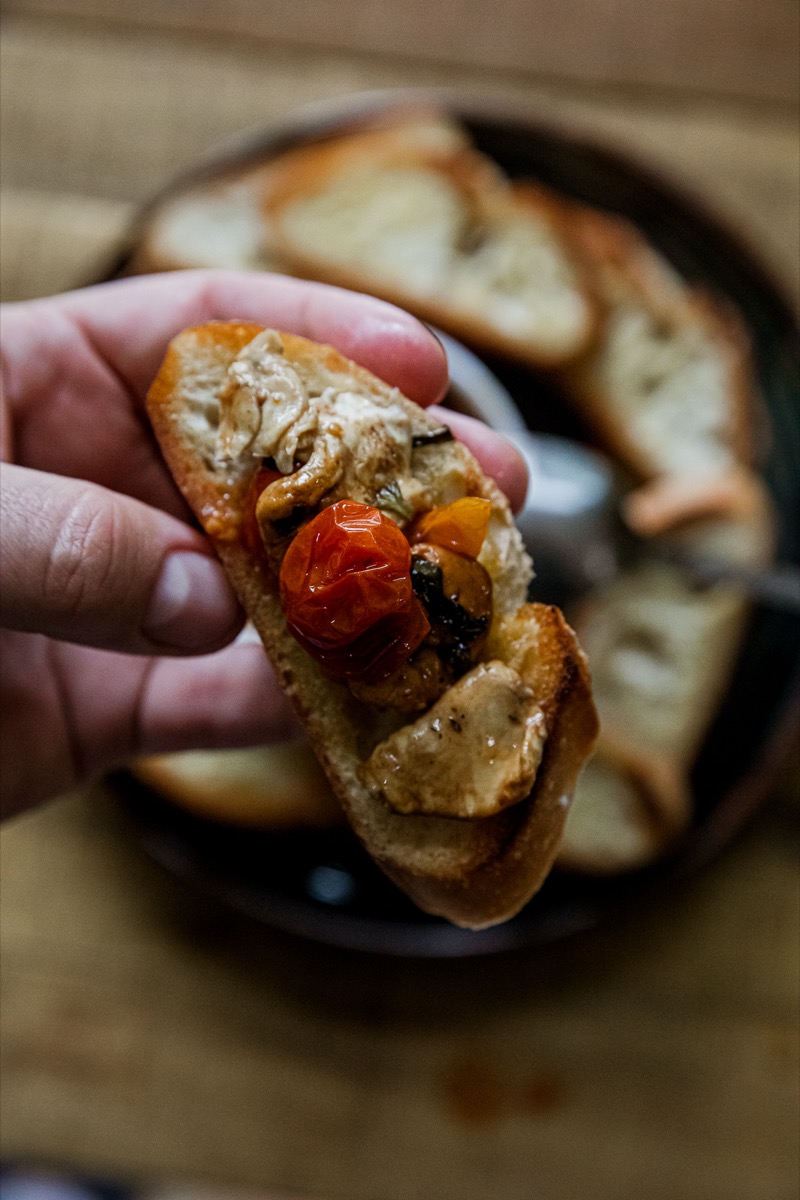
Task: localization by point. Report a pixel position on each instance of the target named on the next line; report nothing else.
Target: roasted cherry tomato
(345, 588)
(250, 531)
(460, 525)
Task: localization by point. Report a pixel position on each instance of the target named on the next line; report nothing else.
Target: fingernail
(192, 604)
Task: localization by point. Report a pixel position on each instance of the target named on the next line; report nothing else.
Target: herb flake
(391, 500)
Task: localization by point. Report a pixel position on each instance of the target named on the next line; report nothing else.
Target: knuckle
(80, 571)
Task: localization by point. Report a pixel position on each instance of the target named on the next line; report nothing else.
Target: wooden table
(149, 1034)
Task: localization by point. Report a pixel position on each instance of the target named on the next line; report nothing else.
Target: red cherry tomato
(346, 593)
(251, 533)
(460, 525)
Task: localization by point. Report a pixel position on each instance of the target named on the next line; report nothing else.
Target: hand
(106, 587)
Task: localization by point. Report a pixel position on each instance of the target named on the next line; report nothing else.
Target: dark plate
(323, 886)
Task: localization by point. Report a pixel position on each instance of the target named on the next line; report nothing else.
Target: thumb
(85, 564)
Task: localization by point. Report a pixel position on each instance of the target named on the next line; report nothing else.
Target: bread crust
(472, 872)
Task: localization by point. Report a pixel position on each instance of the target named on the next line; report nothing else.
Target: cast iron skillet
(322, 885)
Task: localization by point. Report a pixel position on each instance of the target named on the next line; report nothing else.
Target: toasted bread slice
(629, 808)
(218, 223)
(662, 653)
(216, 415)
(410, 211)
(265, 787)
(668, 387)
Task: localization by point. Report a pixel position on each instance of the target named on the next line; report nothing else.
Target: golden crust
(667, 503)
(474, 873)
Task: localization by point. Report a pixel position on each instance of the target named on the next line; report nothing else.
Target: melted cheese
(265, 398)
(343, 437)
(474, 753)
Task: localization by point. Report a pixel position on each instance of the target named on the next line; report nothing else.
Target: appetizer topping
(264, 400)
(474, 753)
(460, 526)
(306, 486)
(412, 688)
(390, 500)
(345, 590)
(456, 592)
(318, 428)
(266, 474)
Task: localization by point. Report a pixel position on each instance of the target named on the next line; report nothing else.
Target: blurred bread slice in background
(668, 390)
(219, 223)
(661, 654)
(628, 809)
(411, 212)
(266, 787)
(668, 387)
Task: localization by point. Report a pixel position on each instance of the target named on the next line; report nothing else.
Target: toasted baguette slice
(411, 212)
(214, 429)
(629, 808)
(668, 388)
(211, 224)
(265, 787)
(662, 654)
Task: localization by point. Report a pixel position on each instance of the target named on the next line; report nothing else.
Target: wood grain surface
(147, 1033)
(707, 46)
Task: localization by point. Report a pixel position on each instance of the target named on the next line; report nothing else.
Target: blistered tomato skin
(346, 593)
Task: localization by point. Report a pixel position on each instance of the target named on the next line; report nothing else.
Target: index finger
(131, 321)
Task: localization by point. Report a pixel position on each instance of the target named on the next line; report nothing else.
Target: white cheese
(352, 440)
(473, 753)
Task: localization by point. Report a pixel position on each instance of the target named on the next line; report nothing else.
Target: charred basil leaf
(427, 581)
(390, 499)
(456, 626)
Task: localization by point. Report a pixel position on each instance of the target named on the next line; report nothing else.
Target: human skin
(117, 621)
